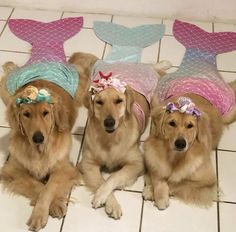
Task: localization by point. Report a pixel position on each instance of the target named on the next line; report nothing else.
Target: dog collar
(32, 95)
(183, 105)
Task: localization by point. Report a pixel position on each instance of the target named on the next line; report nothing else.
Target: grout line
(159, 47)
(5, 127)
(62, 14)
(7, 21)
(219, 149)
(3, 50)
(141, 216)
(228, 202)
(213, 27)
(217, 203)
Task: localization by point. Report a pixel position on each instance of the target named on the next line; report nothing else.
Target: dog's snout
(38, 137)
(180, 144)
(109, 123)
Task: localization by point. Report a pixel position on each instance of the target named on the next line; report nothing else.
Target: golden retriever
(38, 166)
(112, 144)
(177, 154)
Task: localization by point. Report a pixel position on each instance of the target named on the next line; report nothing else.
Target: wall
(205, 10)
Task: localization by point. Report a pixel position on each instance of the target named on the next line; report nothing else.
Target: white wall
(205, 10)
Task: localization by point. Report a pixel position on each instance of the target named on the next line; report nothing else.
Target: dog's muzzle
(38, 137)
(180, 144)
(109, 124)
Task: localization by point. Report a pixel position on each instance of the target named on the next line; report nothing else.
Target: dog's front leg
(93, 179)
(127, 175)
(160, 191)
(61, 180)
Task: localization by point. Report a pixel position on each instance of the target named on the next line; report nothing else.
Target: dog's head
(37, 121)
(181, 130)
(110, 107)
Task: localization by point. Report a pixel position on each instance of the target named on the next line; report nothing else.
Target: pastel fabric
(198, 71)
(127, 43)
(48, 60)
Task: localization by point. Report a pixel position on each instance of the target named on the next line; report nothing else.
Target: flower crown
(183, 105)
(105, 81)
(31, 94)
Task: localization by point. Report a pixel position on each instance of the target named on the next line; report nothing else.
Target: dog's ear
(13, 116)
(88, 103)
(129, 99)
(204, 130)
(157, 115)
(61, 116)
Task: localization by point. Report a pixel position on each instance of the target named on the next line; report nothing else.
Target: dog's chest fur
(39, 164)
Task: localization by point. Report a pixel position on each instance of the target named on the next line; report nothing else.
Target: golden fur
(112, 142)
(41, 170)
(186, 173)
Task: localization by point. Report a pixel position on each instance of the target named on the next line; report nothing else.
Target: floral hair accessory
(105, 81)
(183, 105)
(32, 95)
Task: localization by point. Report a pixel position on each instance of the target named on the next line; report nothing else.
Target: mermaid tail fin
(194, 37)
(127, 43)
(46, 38)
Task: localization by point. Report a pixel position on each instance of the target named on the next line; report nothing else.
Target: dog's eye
(118, 101)
(172, 123)
(45, 112)
(26, 114)
(190, 125)
(99, 102)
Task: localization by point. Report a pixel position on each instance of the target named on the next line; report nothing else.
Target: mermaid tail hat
(198, 71)
(48, 60)
(127, 43)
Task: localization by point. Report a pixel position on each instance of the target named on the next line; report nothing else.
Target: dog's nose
(38, 137)
(109, 123)
(180, 144)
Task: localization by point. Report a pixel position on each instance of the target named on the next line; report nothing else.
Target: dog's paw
(162, 203)
(148, 193)
(100, 197)
(113, 208)
(58, 209)
(38, 219)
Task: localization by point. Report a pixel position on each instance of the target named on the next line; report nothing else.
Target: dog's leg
(160, 191)
(148, 189)
(127, 175)
(230, 117)
(18, 181)
(61, 180)
(93, 179)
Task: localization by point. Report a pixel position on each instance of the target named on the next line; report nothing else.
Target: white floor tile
(171, 50)
(169, 25)
(4, 141)
(150, 54)
(2, 24)
(3, 121)
(228, 76)
(82, 217)
(226, 61)
(81, 121)
(227, 141)
(89, 18)
(223, 27)
(179, 217)
(9, 42)
(17, 212)
(76, 144)
(84, 41)
(39, 15)
(5, 12)
(227, 175)
(227, 217)
(135, 21)
(18, 58)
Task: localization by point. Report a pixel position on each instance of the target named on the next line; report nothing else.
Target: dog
(38, 166)
(177, 154)
(112, 139)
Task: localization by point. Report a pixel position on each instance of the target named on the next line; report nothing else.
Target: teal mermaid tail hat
(127, 43)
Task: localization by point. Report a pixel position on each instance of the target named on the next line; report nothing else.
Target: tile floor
(138, 216)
